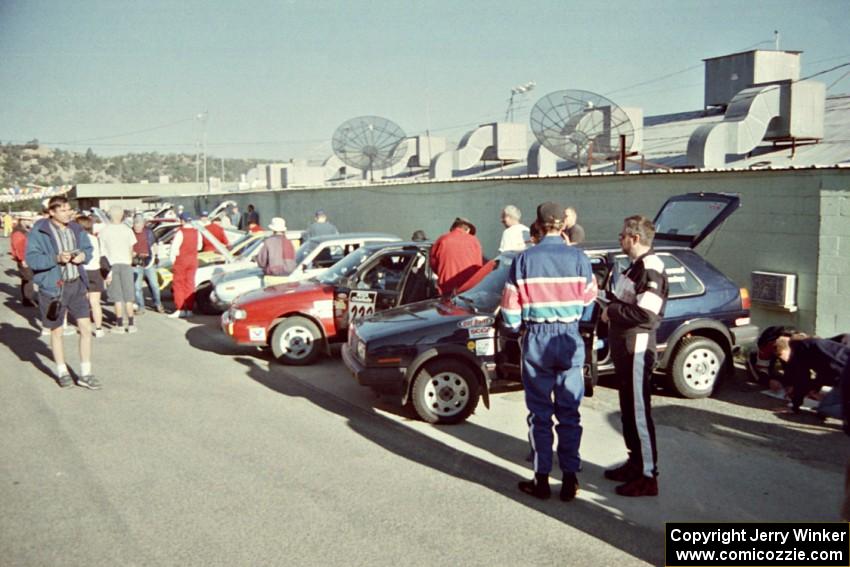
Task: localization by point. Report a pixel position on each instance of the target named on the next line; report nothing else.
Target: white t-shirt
(116, 243)
(514, 238)
(94, 263)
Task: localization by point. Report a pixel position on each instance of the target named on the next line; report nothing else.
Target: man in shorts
(57, 250)
(116, 242)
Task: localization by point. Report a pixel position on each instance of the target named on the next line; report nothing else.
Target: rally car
(313, 257)
(443, 355)
(239, 254)
(300, 320)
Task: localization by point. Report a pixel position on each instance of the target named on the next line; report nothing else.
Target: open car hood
(686, 220)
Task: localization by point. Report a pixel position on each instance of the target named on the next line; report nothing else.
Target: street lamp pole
(203, 116)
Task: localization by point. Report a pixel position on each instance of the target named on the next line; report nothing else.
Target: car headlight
(237, 314)
(361, 350)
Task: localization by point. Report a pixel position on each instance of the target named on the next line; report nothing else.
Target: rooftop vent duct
(728, 75)
(498, 141)
(782, 111)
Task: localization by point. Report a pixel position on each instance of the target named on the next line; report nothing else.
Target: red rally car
(300, 320)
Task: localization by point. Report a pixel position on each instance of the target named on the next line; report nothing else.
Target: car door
(420, 283)
(375, 287)
(684, 294)
(594, 337)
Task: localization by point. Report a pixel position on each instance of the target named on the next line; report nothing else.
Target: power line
(160, 127)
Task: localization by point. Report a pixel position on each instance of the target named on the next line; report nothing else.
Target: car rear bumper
(218, 302)
(384, 378)
(744, 336)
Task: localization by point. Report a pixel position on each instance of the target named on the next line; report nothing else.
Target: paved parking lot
(198, 452)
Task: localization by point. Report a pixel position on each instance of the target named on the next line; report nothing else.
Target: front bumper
(241, 332)
(744, 336)
(385, 378)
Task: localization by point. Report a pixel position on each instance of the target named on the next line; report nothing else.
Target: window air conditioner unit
(772, 288)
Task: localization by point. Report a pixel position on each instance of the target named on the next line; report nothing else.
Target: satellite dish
(369, 143)
(573, 124)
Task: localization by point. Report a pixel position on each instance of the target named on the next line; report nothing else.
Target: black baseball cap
(550, 213)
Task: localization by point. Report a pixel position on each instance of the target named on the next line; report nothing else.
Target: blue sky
(277, 77)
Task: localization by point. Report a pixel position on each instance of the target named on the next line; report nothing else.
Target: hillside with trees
(31, 163)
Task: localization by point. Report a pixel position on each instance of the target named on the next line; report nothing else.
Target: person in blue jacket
(548, 287)
(57, 251)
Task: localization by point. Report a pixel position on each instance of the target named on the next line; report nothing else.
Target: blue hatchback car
(442, 355)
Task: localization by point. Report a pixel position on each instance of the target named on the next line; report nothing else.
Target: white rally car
(313, 258)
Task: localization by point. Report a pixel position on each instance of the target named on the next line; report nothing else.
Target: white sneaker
(99, 333)
(45, 332)
(175, 315)
(132, 329)
(117, 330)
(187, 314)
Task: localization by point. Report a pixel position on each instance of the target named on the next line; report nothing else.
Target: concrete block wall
(833, 297)
(777, 228)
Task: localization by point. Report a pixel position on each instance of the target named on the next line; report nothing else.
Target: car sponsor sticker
(361, 304)
(476, 322)
(323, 309)
(481, 332)
(485, 347)
(257, 334)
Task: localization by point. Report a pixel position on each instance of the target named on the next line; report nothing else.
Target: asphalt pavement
(197, 452)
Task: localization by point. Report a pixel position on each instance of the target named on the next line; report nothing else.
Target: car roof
(349, 235)
(611, 246)
(399, 244)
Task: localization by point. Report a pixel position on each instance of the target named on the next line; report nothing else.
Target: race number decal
(361, 304)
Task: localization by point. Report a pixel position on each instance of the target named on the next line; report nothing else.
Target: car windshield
(239, 242)
(344, 267)
(687, 218)
(487, 294)
(304, 251)
(249, 248)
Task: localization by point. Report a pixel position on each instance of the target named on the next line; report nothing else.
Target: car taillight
(745, 298)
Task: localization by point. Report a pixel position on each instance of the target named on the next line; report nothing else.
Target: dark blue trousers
(552, 359)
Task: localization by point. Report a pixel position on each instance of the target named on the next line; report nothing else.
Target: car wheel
(697, 365)
(296, 341)
(445, 392)
(202, 298)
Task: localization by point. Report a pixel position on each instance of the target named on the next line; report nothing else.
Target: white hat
(278, 225)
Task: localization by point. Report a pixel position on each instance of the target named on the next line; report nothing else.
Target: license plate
(257, 334)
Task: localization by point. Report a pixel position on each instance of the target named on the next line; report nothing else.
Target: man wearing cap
(547, 289)
(456, 256)
(277, 254)
(215, 229)
(184, 264)
(320, 226)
